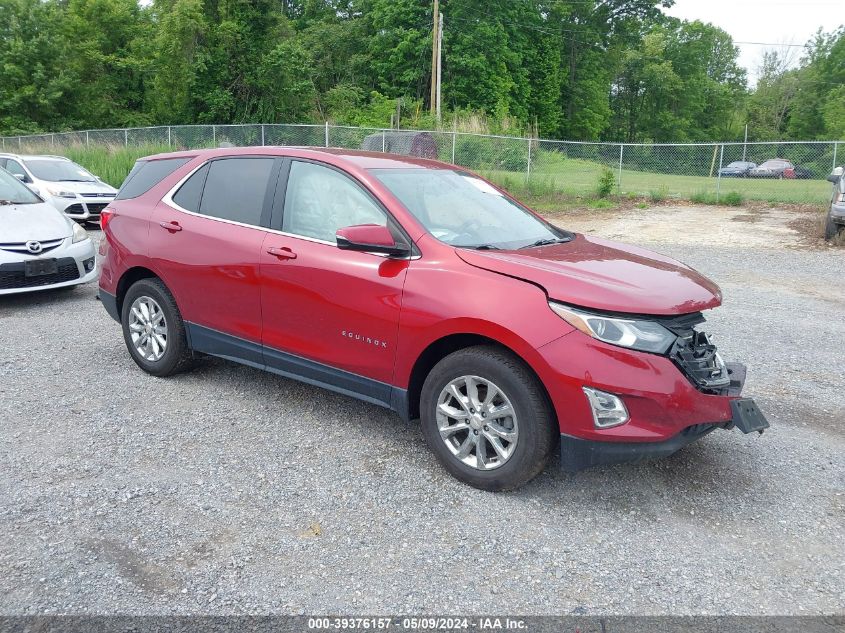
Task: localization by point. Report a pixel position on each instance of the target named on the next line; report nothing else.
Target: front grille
(96, 208)
(21, 247)
(96, 195)
(696, 356)
(75, 208)
(12, 275)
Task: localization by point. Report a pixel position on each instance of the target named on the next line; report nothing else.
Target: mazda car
(418, 286)
(40, 247)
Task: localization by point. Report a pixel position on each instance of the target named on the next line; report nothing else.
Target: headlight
(646, 336)
(59, 193)
(79, 233)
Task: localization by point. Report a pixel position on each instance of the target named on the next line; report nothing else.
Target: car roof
(31, 156)
(336, 155)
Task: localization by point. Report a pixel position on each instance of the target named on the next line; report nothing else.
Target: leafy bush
(606, 183)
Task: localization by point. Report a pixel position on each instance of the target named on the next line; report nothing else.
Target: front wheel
(153, 329)
(486, 417)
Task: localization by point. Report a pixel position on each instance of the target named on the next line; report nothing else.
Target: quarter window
(235, 189)
(320, 200)
(189, 194)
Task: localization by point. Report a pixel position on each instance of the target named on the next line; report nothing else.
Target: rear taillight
(105, 216)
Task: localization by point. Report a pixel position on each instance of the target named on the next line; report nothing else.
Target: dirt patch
(743, 227)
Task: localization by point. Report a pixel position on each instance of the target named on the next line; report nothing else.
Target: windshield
(13, 191)
(773, 164)
(463, 210)
(55, 170)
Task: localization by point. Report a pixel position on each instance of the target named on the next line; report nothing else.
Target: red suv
(420, 287)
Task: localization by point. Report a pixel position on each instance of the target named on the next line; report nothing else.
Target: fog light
(89, 264)
(608, 410)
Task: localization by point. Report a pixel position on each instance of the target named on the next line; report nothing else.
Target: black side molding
(109, 302)
(215, 343)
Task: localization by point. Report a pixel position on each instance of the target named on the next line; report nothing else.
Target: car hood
(594, 273)
(81, 187)
(24, 222)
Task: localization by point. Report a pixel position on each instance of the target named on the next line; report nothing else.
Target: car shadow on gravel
(38, 298)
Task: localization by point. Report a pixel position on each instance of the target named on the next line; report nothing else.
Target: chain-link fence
(784, 172)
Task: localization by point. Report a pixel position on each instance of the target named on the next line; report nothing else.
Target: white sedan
(40, 247)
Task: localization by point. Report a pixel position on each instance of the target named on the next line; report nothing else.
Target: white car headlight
(59, 193)
(79, 233)
(639, 334)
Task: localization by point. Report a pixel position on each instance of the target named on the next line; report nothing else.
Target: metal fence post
(621, 154)
(262, 135)
(383, 141)
(126, 137)
(719, 174)
(169, 137)
(87, 139)
(327, 133)
(454, 140)
(528, 168)
(835, 147)
(214, 134)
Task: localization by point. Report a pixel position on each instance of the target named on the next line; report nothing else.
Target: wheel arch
(136, 273)
(438, 349)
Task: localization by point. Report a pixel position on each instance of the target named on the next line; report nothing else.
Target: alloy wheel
(148, 328)
(477, 422)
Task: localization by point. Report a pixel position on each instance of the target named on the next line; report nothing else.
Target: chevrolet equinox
(418, 286)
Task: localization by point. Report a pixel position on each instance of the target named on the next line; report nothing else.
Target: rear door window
(236, 189)
(146, 174)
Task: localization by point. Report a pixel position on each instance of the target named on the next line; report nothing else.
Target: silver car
(40, 247)
(835, 223)
(67, 186)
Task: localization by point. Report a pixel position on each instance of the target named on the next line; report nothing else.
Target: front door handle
(172, 226)
(282, 253)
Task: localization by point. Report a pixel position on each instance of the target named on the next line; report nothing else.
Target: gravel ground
(228, 490)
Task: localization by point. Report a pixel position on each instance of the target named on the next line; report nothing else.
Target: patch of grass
(642, 205)
(601, 203)
(658, 195)
(578, 177)
(732, 199)
(703, 197)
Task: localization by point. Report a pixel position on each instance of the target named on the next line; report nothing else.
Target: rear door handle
(170, 226)
(282, 253)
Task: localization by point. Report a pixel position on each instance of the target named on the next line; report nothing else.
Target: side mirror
(835, 175)
(370, 238)
(22, 178)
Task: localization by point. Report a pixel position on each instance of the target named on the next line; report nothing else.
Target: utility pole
(745, 144)
(434, 50)
(439, 60)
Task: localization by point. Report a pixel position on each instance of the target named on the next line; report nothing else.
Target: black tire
(831, 228)
(177, 356)
(537, 427)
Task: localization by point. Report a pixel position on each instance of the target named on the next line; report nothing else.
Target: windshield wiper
(75, 180)
(7, 202)
(547, 242)
(485, 247)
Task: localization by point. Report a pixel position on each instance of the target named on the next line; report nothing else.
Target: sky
(775, 22)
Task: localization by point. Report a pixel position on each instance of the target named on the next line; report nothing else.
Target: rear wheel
(486, 417)
(831, 228)
(153, 329)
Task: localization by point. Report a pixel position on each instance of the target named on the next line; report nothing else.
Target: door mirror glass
(370, 238)
(21, 177)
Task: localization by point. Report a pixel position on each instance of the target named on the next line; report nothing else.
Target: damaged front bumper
(578, 453)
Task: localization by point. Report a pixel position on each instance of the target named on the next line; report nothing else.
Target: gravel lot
(228, 490)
